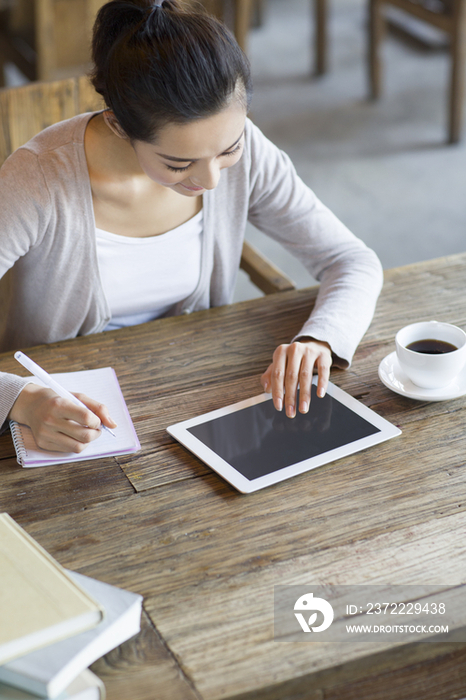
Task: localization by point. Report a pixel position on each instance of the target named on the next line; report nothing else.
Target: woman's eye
(181, 170)
(235, 150)
(178, 170)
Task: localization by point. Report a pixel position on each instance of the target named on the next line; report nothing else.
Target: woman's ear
(113, 124)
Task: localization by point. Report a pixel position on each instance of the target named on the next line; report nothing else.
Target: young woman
(139, 211)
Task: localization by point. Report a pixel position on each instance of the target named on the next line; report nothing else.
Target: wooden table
(206, 558)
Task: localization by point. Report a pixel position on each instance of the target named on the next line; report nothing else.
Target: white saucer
(391, 374)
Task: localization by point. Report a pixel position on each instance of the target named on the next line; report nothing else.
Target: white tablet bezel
(181, 433)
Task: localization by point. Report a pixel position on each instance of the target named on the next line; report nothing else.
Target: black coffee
(431, 346)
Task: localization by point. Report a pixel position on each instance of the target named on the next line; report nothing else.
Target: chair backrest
(51, 39)
(48, 39)
(26, 110)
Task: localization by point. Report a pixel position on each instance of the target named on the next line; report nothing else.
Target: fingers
(266, 379)
(98, 409)
(56, 423)
(294, 365)
(65, 427)
(84, 416)
(278, 377)
(295, 359)
(67, 437)
(305, 381)
(323, 376)
(299, 371)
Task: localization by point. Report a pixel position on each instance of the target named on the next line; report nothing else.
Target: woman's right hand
(57, 424)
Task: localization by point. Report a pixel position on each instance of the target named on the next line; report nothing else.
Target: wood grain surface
(206, 558)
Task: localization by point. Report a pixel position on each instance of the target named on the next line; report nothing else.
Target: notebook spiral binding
(18, 441)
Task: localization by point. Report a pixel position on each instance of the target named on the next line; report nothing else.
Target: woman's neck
(105, 151)
(126, 201)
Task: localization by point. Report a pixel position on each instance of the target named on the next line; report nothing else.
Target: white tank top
(143, 278)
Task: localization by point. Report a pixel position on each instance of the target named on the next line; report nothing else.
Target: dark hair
(156, 64)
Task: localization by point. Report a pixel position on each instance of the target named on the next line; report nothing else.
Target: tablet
(252, 445)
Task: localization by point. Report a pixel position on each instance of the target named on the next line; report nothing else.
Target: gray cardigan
(50, 288)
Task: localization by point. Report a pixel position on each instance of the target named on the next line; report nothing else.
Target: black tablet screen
(259, 440)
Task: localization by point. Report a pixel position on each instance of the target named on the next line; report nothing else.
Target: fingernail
(114, 425)
(266, 386)
(290, 411)
(321, 393)
(279, 404)
(304, 407)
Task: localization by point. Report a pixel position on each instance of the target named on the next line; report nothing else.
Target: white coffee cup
(431, 371)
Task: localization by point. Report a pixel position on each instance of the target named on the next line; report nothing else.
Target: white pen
(41, 374)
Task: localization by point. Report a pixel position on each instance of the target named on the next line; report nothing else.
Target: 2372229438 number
(430, 608)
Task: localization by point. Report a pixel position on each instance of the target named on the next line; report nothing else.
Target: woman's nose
(206, 176)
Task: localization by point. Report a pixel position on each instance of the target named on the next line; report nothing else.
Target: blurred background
(385, 167)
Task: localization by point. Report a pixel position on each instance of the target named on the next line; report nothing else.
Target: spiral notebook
(103, 386)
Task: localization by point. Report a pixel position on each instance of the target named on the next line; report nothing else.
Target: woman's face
(188, 157)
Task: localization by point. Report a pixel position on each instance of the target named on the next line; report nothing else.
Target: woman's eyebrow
(193, 160)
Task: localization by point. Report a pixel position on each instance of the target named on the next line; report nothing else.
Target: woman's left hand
(294, 364)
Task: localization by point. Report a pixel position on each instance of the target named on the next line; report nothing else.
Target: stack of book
(54, 623)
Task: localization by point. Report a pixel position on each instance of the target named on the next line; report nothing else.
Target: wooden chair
(50, 39)
(320, 11)
(236, 13)
(449, 16)
(319, 48)
(26, 110)
(242, 21)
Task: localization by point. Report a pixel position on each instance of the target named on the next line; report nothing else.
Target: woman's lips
(192, 189)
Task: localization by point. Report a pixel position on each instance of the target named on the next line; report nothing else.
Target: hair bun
(164, 5)
(158, 62)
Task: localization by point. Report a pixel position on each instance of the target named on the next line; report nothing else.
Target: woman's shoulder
(258, 156)
(262, 154)
(56, 148)
(68, 131)
(46, 161)
(257, 138)
(264, 164)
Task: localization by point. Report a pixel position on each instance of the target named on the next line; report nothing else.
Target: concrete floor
(384, 168)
